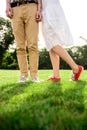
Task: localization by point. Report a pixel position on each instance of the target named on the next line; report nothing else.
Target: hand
(9, 11)
(38, 16)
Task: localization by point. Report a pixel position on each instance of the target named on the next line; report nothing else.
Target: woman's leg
(55, 60)
(66, 57)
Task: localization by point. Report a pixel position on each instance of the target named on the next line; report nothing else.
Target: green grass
(43, 106)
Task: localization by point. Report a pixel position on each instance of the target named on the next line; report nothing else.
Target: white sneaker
(23, 79)
(36, 80)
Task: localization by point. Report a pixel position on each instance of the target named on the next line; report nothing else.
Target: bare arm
(39, 11)
(39, 7)
(8, 2)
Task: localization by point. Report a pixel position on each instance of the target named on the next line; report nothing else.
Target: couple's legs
(59, 51)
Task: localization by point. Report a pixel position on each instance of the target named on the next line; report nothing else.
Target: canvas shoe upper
(75, 76)
(23, 79)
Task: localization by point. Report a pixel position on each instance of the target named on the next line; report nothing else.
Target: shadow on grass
(56, 107)
(9, 90)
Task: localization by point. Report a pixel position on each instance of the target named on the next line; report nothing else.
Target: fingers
(38, 16)
(9, 13)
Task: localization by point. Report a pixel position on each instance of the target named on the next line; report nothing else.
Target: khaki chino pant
(25, 28)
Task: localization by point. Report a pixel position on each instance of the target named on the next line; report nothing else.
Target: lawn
(43, 106)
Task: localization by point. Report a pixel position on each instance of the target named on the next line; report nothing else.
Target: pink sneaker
(54, 78)
(75, 76)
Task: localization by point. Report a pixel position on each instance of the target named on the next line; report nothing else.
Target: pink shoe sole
(54, 79)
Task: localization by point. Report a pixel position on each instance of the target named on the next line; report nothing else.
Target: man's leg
(19, 33)
(31, 28)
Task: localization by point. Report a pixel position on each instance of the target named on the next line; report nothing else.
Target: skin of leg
(59, 50)
(55, 60)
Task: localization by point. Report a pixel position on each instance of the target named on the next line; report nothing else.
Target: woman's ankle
(75, 69)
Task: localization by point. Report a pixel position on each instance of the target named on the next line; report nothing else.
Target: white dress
(55, 27)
